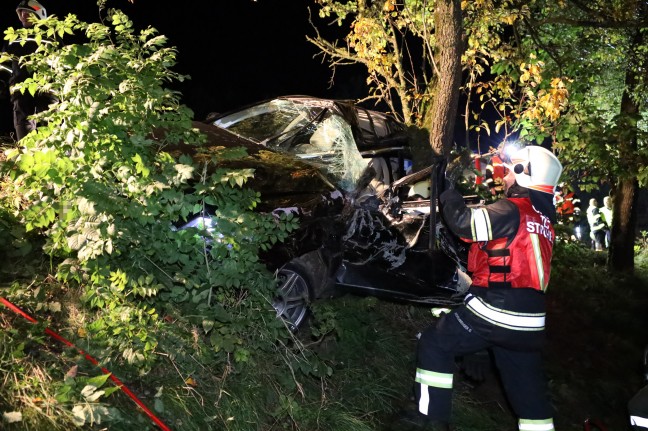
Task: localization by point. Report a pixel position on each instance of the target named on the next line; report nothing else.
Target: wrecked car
(366, 224)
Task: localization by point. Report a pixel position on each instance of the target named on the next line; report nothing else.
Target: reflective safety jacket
(512, 241)
(595, 219)
(607, 215)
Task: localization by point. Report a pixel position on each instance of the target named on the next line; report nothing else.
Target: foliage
(602, 139)
(641, 250)
(527, 107)
(510, 94)
(397, 44)
(37, 394)
(385, 37)
(96, 181)
(558, 46)
(593, 45)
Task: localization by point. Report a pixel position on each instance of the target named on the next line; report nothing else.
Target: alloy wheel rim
(291, 302)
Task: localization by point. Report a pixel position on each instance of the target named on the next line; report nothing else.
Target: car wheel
(294, 294)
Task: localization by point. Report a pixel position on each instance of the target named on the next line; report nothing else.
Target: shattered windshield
(311, 132)
(261, 122)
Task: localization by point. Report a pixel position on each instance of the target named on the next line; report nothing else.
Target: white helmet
(32, 6)
(536, 168)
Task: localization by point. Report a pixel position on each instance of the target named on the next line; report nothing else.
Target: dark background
(236, 52)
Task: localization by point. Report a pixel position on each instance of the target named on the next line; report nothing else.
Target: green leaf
(98, 381)
(33, 88)
(220, 314)
(207, 325)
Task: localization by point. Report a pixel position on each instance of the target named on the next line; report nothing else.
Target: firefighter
(25, 104)
(567, 204)
(597, 225)
(504, 310)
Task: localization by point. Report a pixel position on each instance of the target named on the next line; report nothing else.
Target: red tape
(111, 376)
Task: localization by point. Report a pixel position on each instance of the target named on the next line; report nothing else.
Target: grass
(351, 369)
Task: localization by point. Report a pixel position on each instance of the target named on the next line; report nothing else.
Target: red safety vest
(525, 262)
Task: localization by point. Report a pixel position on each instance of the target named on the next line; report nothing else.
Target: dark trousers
(25, 105)
(598, 239)
(520, 370)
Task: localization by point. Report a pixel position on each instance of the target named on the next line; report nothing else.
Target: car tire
(294, 294)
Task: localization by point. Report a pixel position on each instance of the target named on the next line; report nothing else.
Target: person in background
(606, 213)
(567, 204)
(24, 103)
(597, 225)
(495, 175)
(504, 311)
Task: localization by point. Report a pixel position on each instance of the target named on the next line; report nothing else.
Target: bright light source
(510, 148)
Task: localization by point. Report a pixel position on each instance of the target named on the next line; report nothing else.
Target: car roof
(374, 132)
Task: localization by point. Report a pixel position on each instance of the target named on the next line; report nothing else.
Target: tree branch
(536, 39)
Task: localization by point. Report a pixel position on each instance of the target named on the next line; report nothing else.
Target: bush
(94, 180)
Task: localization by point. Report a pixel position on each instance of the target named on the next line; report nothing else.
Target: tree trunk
(448, 29)
(621, 253)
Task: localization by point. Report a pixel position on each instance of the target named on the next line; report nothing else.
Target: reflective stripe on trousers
(504, 318)
(536, 425)
(427, 379)
(639, 421)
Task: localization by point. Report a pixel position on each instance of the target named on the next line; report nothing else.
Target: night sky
(236, 52)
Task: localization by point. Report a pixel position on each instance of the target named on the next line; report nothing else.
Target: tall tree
(601, 46)
(621, 255)
(412, 51)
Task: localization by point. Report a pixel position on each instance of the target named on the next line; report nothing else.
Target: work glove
(455, 169)
(476, 366)
(452, 174)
